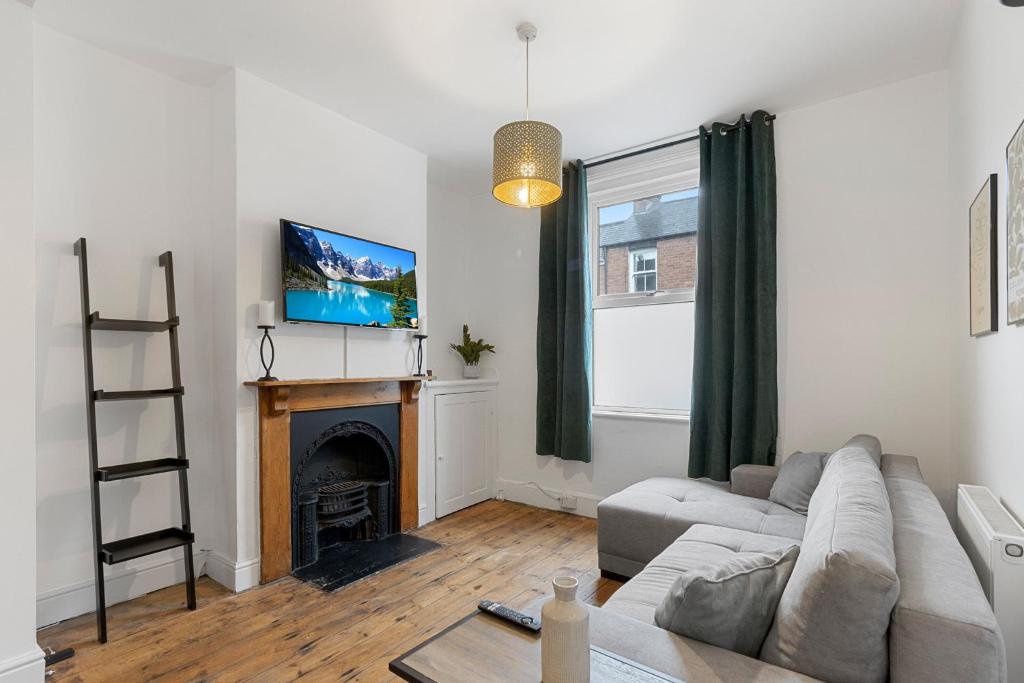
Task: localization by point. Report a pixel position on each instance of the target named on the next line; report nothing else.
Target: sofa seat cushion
(681, 658)
(702, 546)
(639, 522)
(833, 619)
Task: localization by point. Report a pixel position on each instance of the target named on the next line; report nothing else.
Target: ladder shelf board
(104, 395)
(145, 544)
(140, 469)
(118, 325)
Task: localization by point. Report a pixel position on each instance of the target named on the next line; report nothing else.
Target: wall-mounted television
(330, 277)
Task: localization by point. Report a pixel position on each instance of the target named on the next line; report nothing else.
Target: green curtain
(563, 323)
(734, 417)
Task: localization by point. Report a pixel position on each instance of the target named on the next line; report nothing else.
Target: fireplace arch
(344, 487)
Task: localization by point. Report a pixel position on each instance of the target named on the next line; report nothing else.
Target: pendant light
(527, 154)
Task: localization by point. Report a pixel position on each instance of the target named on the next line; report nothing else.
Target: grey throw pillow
(798, 477)
(730, 604)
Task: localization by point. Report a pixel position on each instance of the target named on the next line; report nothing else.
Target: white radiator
(994, 541)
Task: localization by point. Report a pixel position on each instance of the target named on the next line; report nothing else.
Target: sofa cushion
(832, 621)
(639, 522)
(700, 547)
(730, 603)
(942, 626)
(798, 477)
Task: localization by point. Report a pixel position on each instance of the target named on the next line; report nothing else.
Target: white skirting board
(528, 493)
(28, 667)
(237, 576)
(123, 584)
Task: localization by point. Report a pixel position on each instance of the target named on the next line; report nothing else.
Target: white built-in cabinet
(461, 443)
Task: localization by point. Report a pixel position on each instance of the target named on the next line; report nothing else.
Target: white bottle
(565, 635)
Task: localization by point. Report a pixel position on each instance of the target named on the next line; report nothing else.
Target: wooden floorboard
(289, 629)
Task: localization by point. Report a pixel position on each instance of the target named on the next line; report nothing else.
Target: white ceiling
(441, 75)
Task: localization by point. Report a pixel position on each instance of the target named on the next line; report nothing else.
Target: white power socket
(568, 501)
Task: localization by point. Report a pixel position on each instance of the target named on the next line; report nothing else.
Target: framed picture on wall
(984, 315)
(1015, 228)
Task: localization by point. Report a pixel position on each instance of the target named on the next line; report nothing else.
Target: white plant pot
(471, 371)
(565, 635)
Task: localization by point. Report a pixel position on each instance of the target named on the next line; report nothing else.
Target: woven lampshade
(527, 164)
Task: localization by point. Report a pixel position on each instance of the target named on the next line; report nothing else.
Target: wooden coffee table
(481, 647)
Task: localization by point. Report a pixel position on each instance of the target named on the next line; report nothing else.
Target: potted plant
(471, 350)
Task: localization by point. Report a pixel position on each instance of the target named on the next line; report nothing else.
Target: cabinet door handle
(440, 456)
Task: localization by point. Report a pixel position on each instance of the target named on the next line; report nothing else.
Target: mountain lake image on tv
(333, 278)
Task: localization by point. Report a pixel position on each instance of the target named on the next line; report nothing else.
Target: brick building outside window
(649, 244)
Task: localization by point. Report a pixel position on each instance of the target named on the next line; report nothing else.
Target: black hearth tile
(345, 563)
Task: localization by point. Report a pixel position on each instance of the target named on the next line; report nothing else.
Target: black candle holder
(419, 354)
(266, 338)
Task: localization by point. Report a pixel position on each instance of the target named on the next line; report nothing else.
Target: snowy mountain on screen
(338, 266)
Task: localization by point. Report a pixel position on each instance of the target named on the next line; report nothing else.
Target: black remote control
(510, 615)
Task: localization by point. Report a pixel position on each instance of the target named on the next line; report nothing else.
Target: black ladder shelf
(113, 552)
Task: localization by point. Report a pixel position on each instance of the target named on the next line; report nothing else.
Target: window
(643, 269)
(643, 231)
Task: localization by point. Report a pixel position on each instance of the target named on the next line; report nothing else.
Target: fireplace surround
(281, 401)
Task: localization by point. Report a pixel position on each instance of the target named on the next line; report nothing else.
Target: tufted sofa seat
(641, 521)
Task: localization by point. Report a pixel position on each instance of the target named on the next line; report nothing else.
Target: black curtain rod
(645, 150)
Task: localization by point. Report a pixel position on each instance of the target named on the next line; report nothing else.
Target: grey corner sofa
(881, 589)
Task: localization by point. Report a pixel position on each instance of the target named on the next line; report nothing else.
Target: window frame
(659, 172)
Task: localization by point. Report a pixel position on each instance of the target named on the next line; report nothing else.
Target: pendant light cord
(527, 80)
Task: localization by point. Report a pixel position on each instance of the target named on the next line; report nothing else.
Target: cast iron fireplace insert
(344, 491)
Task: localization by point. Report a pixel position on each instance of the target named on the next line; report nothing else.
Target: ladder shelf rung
(145, 544)
(104, 395)
(119, 325)
(140, 469)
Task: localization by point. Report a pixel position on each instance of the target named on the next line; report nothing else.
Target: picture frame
(984, 314)
(1015, 228)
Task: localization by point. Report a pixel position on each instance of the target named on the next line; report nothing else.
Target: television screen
(333, 278)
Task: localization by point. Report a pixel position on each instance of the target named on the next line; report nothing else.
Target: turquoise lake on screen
(344, 303)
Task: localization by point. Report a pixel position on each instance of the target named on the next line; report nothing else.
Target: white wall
(483, 258)
(223, 245)
(139, 163)
(986, 106)
(20, 659)
(121, 158)
(298, 160)
(864, 343)
(863, 331)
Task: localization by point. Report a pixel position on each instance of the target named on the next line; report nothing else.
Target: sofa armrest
(753, 480)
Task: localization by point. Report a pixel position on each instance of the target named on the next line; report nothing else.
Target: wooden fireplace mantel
(278, 399)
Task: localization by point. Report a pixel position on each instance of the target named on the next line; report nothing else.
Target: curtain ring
(767, 121)
(722, 130)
